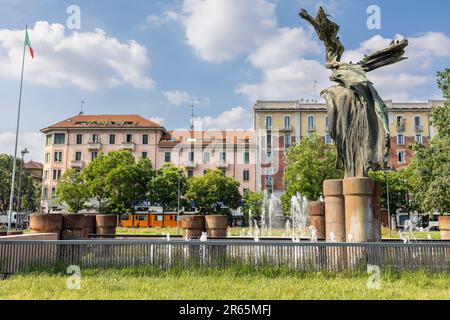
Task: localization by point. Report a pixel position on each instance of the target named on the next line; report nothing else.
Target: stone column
(334, 210)
(359, 219)
(376, 199)
(317, 218)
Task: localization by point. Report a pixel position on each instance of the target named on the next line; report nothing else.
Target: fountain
(313, 232)
(299, 215)
(168, 237)
(204, 237)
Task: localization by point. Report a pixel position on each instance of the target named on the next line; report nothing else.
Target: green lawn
(276, 232)
(225, 285)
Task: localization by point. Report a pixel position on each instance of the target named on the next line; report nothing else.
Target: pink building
(75, 142)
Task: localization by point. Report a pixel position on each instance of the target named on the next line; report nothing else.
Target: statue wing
(393, 54)
(327, 31)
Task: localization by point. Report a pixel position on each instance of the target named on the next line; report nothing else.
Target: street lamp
(19, 216)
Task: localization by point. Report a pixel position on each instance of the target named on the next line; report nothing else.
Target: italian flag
(27, 43)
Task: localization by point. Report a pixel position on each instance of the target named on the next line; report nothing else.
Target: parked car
(431, 223)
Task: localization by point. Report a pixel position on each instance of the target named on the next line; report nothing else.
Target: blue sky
(149, 57)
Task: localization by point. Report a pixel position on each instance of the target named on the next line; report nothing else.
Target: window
(58, 156)
(95, 138)
(418, 138)
(287, 140)
(191, 156)
(145, 139)
(47, 157)
(129, 138)
(53, 193)
(269, 122)
(328, 139)
(327, 127)
(94, 155)
(269, 157)
(206, 157)
(399, 120)
(269, 182)
(287, 122)
(56, 174)
(167, 157)
(418, 123)
(79, 139)
(112, 139)
(190, 173)
(400, 139)
(144, 155)
(269, 141)
(246, 157)
(60, 138)
(223, 156)
(48, 140)
(46, 172)
(246, 175)
(78, 156)
(401, 157)
(45, 193)
(311, 124)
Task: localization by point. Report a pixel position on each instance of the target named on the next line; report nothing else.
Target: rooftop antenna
(81, 108)
(193, 101)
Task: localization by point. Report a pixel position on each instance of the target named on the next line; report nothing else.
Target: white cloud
(235, 118)
(221, 30)
(177, 98)
(88, 60)
(33, 141)
(167, 16)
(158, 120)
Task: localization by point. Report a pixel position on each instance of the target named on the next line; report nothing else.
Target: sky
(153, 57)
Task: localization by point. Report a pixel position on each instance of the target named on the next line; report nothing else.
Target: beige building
(75, 142)
(279, 124)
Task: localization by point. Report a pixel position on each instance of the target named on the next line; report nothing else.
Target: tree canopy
(73, 190)
(165, 184)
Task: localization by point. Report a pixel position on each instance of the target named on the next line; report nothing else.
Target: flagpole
(13, 178)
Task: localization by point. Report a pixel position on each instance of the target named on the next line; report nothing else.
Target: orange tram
(150, 220)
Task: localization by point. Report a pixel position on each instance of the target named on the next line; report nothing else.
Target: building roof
(82, 121)
(33, 165)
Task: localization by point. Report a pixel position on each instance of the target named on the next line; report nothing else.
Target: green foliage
(309, 163)
(73, 191)
(118, 180)
(213, 189)
(165, 184)
(399, 183)
(253, 202)
(30, 191)
(431, 164)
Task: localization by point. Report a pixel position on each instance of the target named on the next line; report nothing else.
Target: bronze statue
(358, 117)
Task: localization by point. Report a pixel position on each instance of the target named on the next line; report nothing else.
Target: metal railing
(17, 256)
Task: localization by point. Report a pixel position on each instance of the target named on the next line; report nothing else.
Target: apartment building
(279, 124)
(75, 142)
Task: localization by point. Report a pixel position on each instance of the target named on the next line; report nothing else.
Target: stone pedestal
(317, 218)
(334, 210)
(359, 218)
(376, 203)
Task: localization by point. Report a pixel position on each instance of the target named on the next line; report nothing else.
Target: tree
(116, 181)
(73, 190)
(165, 184)
(432, 164)
(253, 202)
(213, 191)
(29, 189)
(309, 163)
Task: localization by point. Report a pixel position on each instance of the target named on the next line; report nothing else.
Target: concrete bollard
(334, 210)
(359, 218)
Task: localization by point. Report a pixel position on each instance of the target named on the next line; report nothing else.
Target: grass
(276, 232)
(233, 283)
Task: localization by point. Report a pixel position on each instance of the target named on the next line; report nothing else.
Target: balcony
(77, 164)
(311, 128)
(222, 164)
(418, 128)
(94, 146)
(401, 127)
(129, 146)
(190, 165)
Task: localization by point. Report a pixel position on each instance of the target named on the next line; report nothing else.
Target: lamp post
(19, 216)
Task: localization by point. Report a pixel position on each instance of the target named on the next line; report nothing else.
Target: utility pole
(82, 108)
(193, 101)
